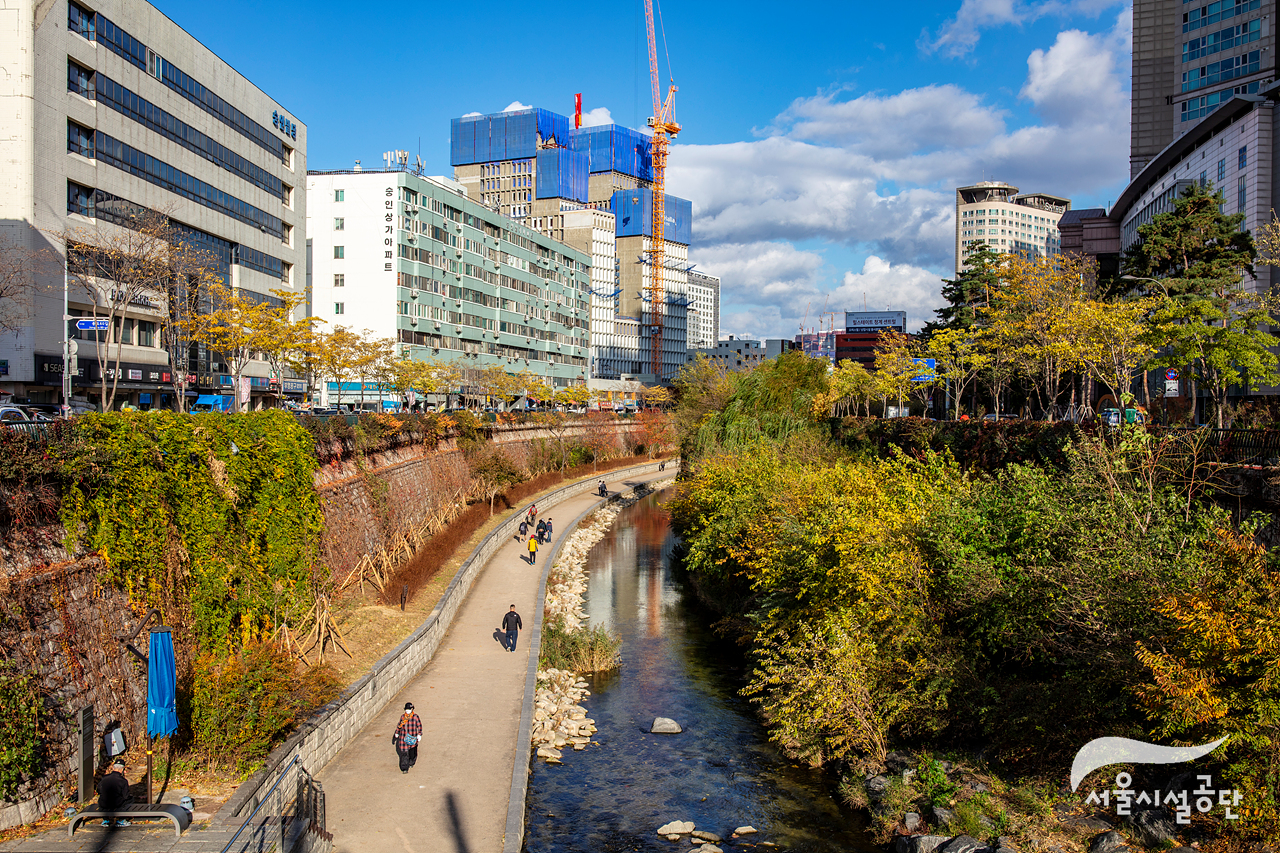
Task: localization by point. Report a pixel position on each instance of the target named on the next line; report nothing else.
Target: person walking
(408, 733)
(542, 531)
(548, 528)
(113, 792)
(512, 625)
(533, 550)
(524, 531)
(601, 489)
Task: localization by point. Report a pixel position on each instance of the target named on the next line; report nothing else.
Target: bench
(135, 811)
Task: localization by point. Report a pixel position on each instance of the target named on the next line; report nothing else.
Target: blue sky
(822, 141)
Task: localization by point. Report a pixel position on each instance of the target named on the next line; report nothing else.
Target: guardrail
(1251, 447)
(293, 816)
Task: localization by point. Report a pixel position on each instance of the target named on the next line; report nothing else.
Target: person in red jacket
(406, 738)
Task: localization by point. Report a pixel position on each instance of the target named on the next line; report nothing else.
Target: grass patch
(584, 649)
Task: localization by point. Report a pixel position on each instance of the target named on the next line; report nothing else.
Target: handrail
(262, 801)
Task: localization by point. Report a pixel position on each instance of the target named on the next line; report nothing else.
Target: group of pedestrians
(536, 531)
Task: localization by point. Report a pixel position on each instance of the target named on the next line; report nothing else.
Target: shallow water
(720, 773)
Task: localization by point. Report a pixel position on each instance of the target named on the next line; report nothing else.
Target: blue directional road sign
(925, 367)
(100, 325)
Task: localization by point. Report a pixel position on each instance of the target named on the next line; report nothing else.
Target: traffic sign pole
(66, 332)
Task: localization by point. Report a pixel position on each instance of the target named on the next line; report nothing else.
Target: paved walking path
(469, 698)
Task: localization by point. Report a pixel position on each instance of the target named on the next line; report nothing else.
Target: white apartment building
(412, 258)
(108, 107)
(994, 213)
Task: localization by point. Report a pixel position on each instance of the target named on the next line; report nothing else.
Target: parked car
(14, 414)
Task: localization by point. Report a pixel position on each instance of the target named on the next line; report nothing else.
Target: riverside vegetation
(215, 521)
(946, 638)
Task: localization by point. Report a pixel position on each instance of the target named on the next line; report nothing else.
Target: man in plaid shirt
(406, 738)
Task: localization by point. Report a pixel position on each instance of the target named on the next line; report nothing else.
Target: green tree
(964, 293)
(1192, 247)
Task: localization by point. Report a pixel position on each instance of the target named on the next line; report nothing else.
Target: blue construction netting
(562, 173)
(517, 135)
(615, 148)
(633, 212)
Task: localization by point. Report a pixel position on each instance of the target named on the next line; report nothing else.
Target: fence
(288, 818)
(1253, 447)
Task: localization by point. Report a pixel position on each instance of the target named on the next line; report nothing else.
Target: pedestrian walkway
(469, 698)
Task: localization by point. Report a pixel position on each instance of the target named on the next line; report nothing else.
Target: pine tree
(971, 288)
(1193, 248)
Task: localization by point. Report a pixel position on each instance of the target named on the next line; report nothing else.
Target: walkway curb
(513, 836)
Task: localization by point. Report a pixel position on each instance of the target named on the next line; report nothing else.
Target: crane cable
(663, 27)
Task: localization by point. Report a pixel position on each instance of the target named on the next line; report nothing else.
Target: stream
(721, 772)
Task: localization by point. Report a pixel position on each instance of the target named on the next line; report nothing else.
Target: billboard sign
(925, 370)
(874, 321)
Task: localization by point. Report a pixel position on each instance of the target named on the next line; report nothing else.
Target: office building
(109, 109)
(414, 259)
(534, 166)
(1189, 59)
(995, 213)
(704, 309)
(734, 353)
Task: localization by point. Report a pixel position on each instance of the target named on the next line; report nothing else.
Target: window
(286, 195)
(124, 331)
(339, 195)
(1222, 172)
(1240, 191)
(286, 272)
(1244, 157)
(79, 139)
(146, 333)
(288, 158)
(79, 200)
(339, 280)
(286, 234)
(339, 307)
(339, 224)
(80, 20)
(339, 252)
(79, 79)
(1204, 179)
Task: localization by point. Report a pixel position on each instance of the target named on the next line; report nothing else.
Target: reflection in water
(720, 773)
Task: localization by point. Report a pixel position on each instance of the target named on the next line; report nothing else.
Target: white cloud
(469, 115)
(876, 173)
(929, 118)
(596, 117)
(516, 105)
(959, 35)
(883, 286)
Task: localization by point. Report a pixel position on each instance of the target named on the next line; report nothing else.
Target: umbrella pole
(150, 743)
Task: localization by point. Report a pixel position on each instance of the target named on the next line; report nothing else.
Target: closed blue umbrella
(162, 683)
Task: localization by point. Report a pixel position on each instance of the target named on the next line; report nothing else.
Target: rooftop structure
(996, 214)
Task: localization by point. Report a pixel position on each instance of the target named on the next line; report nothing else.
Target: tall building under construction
(590, 188)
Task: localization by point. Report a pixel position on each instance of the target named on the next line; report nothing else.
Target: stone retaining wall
(331, 728)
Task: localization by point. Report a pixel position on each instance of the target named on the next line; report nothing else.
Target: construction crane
(664, 130)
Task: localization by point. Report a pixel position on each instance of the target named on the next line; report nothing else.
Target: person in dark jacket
(408, 733)
(602, 490)
(113, 792)
(542, 531)
(548, 528)
(524, 531)
(512, 625)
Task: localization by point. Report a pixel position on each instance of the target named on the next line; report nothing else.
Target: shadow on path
(455, 823)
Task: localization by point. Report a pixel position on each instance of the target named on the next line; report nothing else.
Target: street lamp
(1164, 288)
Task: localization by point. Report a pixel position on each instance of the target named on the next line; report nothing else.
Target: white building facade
(996, 214)
(110, 108)
(704, 310)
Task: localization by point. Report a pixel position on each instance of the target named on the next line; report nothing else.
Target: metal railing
(287, 818)
(1256, 447)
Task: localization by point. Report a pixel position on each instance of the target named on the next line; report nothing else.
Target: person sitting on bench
(113, 792)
